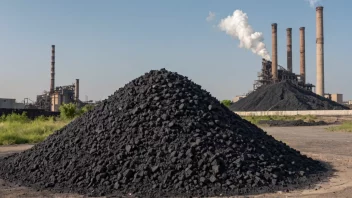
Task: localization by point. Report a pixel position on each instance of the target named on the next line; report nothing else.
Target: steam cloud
(313, 3)
(237, 27)
(210, 17)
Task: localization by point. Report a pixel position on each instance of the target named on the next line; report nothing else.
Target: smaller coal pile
(288, 123)
(160, 135)
(284, 96)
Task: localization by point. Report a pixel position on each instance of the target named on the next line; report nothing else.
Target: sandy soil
(334, 148)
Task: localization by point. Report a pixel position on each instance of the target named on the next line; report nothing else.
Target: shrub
(14, 117)
(68, 111)
(86, 108)
(41, 118)
(227, 103)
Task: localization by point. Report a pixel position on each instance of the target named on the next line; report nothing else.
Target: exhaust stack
(289, 49)
(302, 50)
(52, 81)
(320, 51)
(274, 51)
(77, 90)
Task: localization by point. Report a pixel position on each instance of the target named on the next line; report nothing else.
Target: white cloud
(313, 3)
(211, 16)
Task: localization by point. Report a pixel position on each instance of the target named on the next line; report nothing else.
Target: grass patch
(256, 119)
(346, 127)
(18, 129)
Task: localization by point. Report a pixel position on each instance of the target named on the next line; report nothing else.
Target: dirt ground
(334, 148)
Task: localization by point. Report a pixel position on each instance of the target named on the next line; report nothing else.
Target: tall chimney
(302, 50)
(274, 51)
(52, 82)
(77, 90)
(289, 49)
(320, 51)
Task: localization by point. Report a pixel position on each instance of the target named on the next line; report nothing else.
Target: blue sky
(108, 43)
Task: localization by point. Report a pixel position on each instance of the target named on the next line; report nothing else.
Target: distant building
(62, 95)
(327, 95)
(8, 103)
(350, 102)
(237, 98)
(337, 98)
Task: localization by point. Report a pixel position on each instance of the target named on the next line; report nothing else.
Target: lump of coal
(288, 123)
(284, 96)
(160, 135)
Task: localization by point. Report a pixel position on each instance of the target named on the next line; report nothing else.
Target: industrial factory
(59, 95)
(272, 72)
(49, 100)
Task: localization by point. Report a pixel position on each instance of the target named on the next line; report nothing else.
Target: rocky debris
(160, 135)
(288, 123)
(284, 96)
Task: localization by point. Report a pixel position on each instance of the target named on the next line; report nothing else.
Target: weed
(18, 129)
(346, 127)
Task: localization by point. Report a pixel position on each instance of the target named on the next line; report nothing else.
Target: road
(334, 148)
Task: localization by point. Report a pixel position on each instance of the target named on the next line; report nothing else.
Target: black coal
(160, 135)
(284, 96)
(287, 123)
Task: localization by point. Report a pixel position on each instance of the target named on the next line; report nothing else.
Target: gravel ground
(334, 148)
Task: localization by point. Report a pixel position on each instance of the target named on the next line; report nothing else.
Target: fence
(31, 113)
(293, 113)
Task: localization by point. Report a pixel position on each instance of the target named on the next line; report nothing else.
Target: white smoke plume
(237, 26)
(313, 3)
(211, 16)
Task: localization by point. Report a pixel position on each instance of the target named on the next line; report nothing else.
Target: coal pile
(284, 96)
(288, 123)
(160, 135)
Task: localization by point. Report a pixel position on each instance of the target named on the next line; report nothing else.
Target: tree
(86, 108)
(68, 111)
(227, 103)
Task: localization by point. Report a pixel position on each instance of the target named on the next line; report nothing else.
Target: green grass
(18, 129)
(346, 127)
(256, 119)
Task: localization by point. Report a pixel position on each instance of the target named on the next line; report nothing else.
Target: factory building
(58, 95)
(271, 72)
(237, 98)
(7, 103)
(64, 95)
(335, 97)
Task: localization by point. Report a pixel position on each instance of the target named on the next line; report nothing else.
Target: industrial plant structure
(271, 72)
(9, 103)
(52, 100)
(320, 51)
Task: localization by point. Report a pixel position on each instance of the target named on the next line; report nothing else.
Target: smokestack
(320, 51)
(302, 50)
(274, 51)
(289, 49)
(77, 90)
(52, 82)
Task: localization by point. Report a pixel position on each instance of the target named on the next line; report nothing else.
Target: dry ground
(332, 147)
